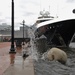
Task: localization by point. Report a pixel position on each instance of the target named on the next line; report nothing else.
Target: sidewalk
(19, 68)
(4, 59)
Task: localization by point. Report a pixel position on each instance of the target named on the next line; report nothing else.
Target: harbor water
(45, 67)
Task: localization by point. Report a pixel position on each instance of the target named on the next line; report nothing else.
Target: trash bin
(18, 46)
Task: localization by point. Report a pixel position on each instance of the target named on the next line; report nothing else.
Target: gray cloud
(71, 1)
(0, 13)
(36, 2)
(1, 20)
(7, 17)
(28, 14)
(24, 4)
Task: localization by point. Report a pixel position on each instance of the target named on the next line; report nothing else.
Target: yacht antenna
(49, 9)
(57, 12)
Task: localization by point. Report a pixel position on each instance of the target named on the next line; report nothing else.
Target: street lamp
(23, 23)
(12, 49)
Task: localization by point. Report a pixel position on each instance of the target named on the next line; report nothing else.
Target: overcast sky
(28, 10)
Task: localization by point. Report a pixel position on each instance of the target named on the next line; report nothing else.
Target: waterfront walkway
(19, 67)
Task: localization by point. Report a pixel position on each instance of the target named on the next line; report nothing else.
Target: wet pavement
(4, 57)
(21, 67)
(4, 44)
(4, 63)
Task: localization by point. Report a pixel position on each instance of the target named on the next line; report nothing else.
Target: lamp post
(23, 23)
(12, 49)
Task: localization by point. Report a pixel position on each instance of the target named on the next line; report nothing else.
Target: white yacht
(44, 16)
(57, 31)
